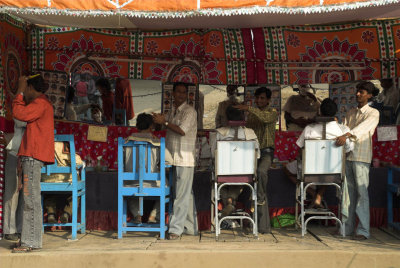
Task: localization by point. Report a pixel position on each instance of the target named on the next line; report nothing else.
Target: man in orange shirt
(37, 148)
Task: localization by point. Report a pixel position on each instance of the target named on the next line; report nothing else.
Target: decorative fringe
(121, 11)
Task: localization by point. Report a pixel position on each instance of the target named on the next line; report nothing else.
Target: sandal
(24, 249)
(15, 245)
(151, 220)
(65, 217)
(172, 236)
(51, 218)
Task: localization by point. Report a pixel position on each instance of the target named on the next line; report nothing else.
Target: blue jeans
(32, 216)
(357, 175)
(13, 198)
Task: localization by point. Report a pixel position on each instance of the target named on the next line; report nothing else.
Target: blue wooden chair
(140, 174)
(76, 187)
(393, 189)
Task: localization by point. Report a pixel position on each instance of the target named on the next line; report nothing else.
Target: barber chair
(235, 164)
(323, 163)
(76, 187)
(139, 183)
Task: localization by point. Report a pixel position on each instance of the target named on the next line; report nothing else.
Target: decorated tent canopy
(175, 14)
(200, 41)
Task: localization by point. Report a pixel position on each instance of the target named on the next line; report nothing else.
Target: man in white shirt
(362, 121)
(333, 130)
(181, 125)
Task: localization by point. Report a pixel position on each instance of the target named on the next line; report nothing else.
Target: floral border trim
(201, 12)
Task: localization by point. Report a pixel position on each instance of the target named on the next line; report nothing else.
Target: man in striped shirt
(181, 125)
(362, 121)
(262, 119)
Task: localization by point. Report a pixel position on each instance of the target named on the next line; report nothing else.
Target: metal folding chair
(235, 164)
(141, 158)
(323, 163)
(76, 187)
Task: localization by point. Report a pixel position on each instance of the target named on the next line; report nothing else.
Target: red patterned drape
(206, 56)
(371, 43)
(13, 64)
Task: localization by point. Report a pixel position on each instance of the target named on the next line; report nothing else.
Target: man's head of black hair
(177, 84)
(103, 85)
(231, 90)
(261, 90)
(369, 87)
(328, 108)
(144, 121)
(37, 83)
(233, 114)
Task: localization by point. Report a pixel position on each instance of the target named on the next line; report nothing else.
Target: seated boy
(328, 108)
(230, 193)
(63, 158)
(145, 126)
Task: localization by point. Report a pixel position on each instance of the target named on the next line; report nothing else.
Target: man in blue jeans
(37, 148)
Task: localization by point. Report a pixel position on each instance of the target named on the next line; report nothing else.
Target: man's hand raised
(241, 107)
(22, 84)
(159, 118)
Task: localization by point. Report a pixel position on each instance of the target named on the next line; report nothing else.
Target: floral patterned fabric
(205, 53)
(12, 63)
(362, 42)
(387, 151)
(285, 145)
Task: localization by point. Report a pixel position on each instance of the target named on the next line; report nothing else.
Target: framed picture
(56, 89)
(344, 95)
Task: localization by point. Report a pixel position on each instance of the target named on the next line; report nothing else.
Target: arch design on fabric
(334, 50)
(14, 50)
(74, 60)
(189, 70)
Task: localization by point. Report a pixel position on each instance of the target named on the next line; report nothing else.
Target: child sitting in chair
(314, 131)
(63, 158)
(230, 193)
(145, 126)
